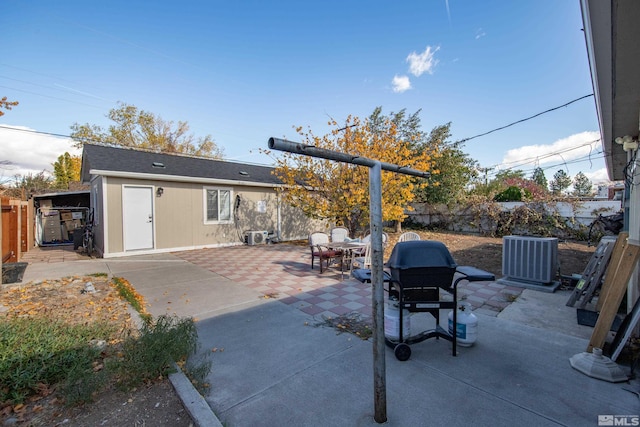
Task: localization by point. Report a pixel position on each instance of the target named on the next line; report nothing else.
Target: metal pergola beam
(377, 273)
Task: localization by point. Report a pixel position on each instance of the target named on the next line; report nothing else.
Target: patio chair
(408, 236)
(318, 242)
(385, 238)
(363, 259)
(339, 234)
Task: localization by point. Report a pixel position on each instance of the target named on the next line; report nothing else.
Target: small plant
(128, 293)
(98, 275)
(40, 352)
(151, 354)
(82, 383)
(197, 370)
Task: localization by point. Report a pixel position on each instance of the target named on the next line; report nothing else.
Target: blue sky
(247, 70)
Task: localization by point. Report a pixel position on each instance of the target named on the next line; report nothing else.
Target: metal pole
(377, 294)
(377, 273)
(312, 151)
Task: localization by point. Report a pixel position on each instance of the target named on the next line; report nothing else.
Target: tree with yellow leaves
(339, 192)
(66, 169)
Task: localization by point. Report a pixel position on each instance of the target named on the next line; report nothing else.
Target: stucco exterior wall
(180, 211)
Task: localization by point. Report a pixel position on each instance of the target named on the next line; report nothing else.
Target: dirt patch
(84, 299)
(155, 404)
(486, 252)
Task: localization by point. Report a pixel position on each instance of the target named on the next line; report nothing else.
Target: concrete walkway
(274, 364)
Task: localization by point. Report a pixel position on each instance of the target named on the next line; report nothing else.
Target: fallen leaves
(74, 300)
(353, 323)
(66, 299)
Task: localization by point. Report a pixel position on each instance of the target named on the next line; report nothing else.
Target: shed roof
(136, 163)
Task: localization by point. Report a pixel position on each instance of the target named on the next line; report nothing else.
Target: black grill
(418, 270)
(420, 265)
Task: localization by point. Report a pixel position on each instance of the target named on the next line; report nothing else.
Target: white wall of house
(633, 288)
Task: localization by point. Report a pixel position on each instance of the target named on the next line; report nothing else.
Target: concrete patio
(260, 312)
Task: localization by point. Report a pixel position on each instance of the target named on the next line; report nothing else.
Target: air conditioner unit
(530, 259)
(257, 237)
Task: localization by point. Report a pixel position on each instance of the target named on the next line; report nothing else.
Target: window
(217, 205)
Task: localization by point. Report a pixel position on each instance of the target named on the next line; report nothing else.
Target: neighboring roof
(61, 193)
(134, 163)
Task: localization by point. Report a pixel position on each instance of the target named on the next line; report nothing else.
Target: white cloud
(420, 63)
(570, 154)
(401, 83)
(575, 146)
(599, 176)
(480, 33)
(29, 152)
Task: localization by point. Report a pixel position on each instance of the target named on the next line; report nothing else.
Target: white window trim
(204, 203)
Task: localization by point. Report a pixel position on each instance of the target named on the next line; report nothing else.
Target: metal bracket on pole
(377, 273)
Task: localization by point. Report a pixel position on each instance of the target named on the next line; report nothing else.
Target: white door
(137, 216)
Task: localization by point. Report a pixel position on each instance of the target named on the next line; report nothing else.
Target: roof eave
(611, 34)
(178, 178)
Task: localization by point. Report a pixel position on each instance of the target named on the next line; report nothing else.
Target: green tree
(582, 186)
(539, 178)
(560, 182)
(501, 181)
(452, 169)
(339, 192)
(141, 129)
(512, 194)
(66, 169)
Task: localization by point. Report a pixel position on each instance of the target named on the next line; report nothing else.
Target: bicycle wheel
(90, 245)
(596, 231)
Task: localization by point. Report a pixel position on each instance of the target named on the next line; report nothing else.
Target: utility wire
(589, 157)
(545, 156)
(51, 97)
(34, 131)
(525, 119)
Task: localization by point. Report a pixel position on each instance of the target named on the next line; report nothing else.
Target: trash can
(77, 238)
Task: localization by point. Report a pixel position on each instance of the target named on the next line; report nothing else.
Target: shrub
(512, 194)
(39, 352)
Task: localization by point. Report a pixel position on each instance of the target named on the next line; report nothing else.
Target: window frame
(205, 202)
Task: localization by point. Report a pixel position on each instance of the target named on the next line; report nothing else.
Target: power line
(49, 96)
(35, 131)
(589, 157)
(545, 156)
(525, 119)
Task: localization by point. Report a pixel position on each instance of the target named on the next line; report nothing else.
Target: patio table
(347, 249)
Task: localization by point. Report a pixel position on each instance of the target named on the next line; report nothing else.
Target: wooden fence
(17, 228)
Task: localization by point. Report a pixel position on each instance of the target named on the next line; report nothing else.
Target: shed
(59, 215)
(150, 202)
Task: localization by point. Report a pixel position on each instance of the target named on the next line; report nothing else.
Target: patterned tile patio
(283, 272)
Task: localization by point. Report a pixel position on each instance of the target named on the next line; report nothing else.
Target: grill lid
(420, 254)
